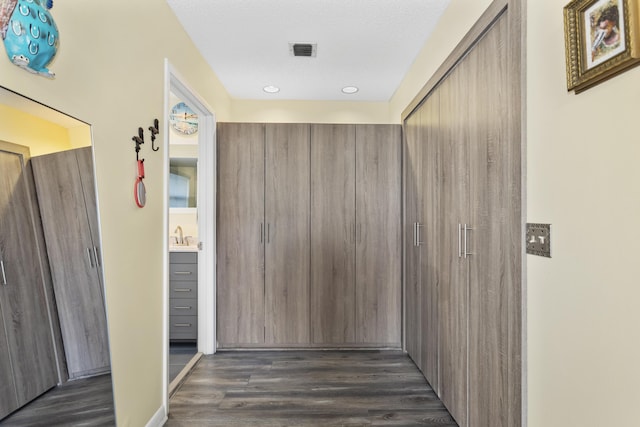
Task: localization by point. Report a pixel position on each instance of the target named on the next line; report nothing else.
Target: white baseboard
(159, 418)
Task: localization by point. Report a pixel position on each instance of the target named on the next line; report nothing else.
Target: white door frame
(207, 173)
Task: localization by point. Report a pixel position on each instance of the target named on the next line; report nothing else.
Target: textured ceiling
(365, 43)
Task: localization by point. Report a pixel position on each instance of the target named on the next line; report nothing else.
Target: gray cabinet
(27, 357)
(263, 234)
(287, 234)
(66, 196)
(183, 298)
(378, 259)
(468, 262)
(303, 258)
(423, 216)
(240, 234)
(333, 223)
(355, 235)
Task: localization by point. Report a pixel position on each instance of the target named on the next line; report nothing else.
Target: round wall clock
(183, 119)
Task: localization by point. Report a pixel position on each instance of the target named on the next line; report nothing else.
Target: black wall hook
(154, 131)
(139, 140)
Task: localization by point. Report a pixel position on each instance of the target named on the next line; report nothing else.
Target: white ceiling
(365, 43)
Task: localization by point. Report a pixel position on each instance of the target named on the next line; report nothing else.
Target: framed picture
(602, 39)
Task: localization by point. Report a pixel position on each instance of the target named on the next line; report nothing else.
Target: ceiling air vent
(302, 49)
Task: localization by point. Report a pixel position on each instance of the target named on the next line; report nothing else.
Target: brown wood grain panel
(22, 300)
(332, 234)
(76, 276)
(240, 221)
(454, 303)
(412, 291)
(494, 266)
(84, 157)
(431, 236)
(378, 234)
(287, 250)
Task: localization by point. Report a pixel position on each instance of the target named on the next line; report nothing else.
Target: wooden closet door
(494, 292)
(453, 290)
(412, 202)
(431, 237)
(287, 250)
(378, 234)
(84, 157)
(240, 230)
(332, 234)
(22, 299)
(76, 276)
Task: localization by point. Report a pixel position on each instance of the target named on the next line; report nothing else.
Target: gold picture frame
(602, 39)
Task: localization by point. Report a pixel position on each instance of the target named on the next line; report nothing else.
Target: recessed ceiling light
(349, 90)
(271, 89)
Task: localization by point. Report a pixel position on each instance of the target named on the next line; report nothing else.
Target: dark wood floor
(85, 402)
(307, 388)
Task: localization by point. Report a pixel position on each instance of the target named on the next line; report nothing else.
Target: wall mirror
(183, 182)
(57, 156)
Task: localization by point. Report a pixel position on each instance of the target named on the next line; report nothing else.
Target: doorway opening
(189, 230)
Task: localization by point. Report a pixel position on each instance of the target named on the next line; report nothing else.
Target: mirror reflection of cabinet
(66, 195)
(27, 357)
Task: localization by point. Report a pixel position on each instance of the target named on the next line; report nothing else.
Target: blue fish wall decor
(30, 35)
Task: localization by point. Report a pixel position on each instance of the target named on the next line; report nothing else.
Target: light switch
(539, 239)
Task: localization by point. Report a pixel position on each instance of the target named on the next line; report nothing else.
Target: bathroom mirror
(183, 182)
(60, 150)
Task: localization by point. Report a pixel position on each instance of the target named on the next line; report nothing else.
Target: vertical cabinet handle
(268, 233)
(466, 239)
(4, 276)
(261, 232)
(89, 257)
(459, 240)
(95, 254)
(415, 234)
(418, 242)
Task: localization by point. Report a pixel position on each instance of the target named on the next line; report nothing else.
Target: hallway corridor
(307, 388)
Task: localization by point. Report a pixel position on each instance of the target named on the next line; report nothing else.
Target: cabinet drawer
(183, 271)
(183, 257)
(183, 327)
(183, 290)
(183, 307)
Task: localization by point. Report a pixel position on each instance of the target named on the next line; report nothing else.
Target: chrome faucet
(180, 235)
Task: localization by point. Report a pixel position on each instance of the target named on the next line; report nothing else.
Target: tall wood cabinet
(287, 234)
(263, 228)
(66, 196)
(378, 261)
(333, 234)
(240, 233)
(27, 357)
(468, 262)
(423, 213)
(328, 255)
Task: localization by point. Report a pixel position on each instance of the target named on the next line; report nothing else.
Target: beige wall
(41, 136)
(311, 112)
(583, 178)
(456, 21)
(110, 73)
